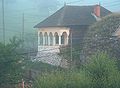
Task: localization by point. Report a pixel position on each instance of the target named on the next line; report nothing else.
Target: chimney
(97, 10)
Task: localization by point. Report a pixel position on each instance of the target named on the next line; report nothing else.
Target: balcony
(49, 49)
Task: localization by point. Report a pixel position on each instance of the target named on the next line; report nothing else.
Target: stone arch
(46, 38)
(51, 38)
(41, 38)
(64, 38)
(56, 38)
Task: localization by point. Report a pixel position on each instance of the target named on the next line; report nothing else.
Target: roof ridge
(78, 5)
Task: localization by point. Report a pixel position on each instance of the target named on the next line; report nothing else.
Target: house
(69, 23)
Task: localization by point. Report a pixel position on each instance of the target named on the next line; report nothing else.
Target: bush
(103, 71)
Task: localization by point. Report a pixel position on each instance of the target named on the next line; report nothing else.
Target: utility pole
(3, 22)
(23, 27)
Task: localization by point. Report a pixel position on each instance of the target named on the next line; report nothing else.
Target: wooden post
(22, 83)
(3, 21)
(71, 47)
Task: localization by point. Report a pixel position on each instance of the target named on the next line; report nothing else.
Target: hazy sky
(37, 10)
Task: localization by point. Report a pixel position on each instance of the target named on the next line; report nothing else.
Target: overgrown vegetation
(100, 37)
(100, 72)
(103, 71)
(11, 62)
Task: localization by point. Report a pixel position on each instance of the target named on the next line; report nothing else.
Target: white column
(43, 40)
(53, 40)
(38, 39)
(59, 40)
(48, 40)
(67, 40)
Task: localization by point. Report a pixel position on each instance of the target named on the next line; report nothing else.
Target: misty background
(37, 10)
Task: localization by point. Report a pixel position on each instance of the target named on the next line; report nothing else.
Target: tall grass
(68, 79)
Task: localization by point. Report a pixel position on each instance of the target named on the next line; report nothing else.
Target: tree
(99, 37)
(10, 62)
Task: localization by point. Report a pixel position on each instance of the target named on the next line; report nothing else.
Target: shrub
(103, 71)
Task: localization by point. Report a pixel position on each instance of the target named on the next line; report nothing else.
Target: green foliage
(103, 71)
(100, 37)
(62, 80)
(100, 72)
(10, 62)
